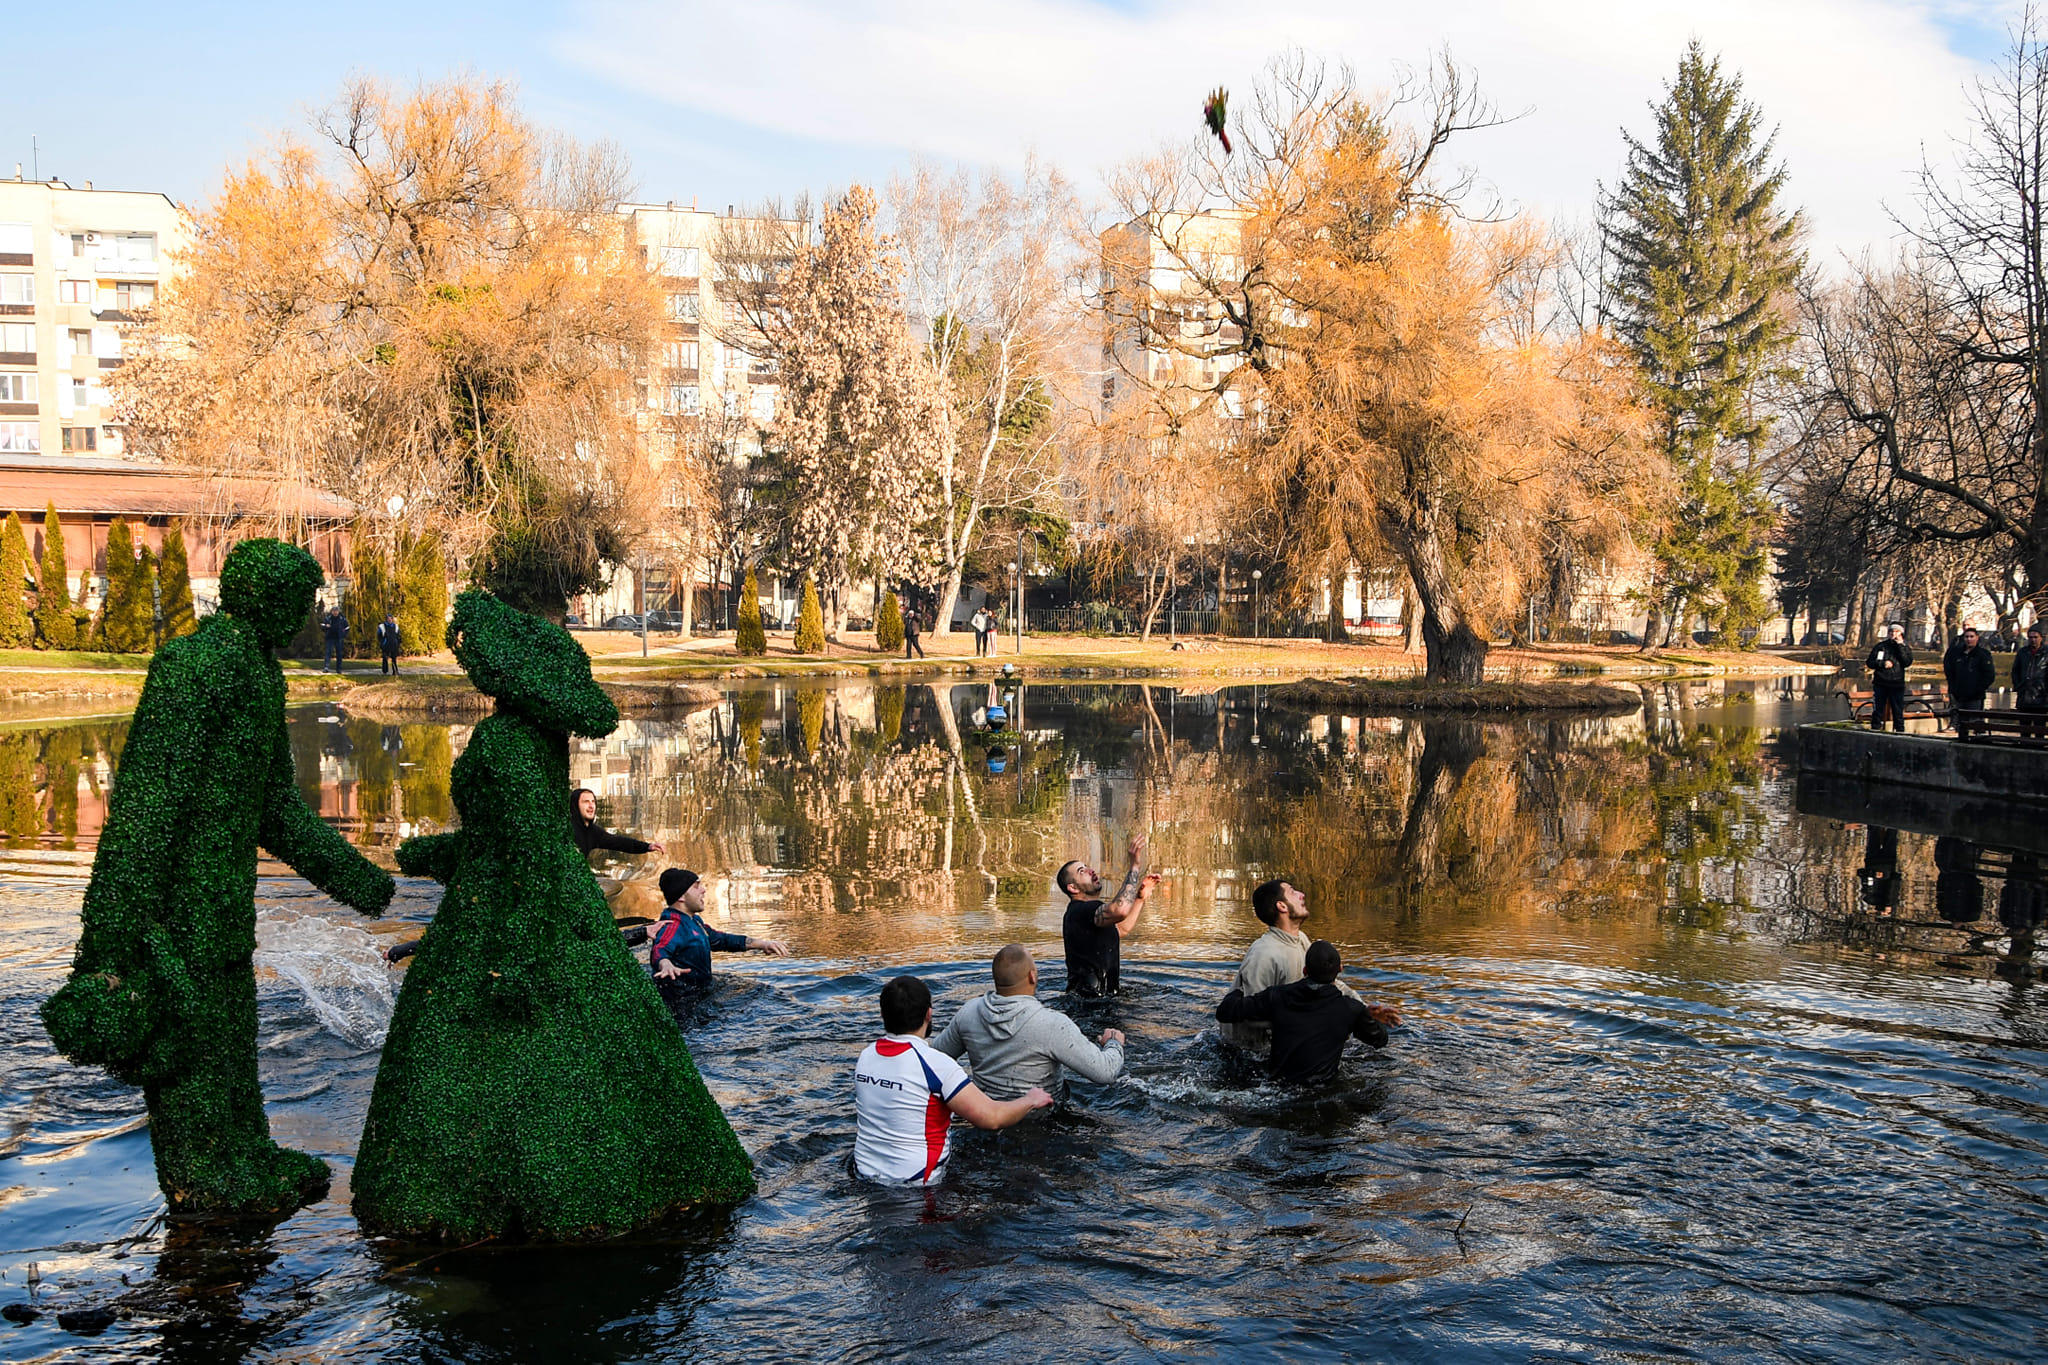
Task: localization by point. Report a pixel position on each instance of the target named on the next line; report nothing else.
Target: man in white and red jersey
(905, 1095)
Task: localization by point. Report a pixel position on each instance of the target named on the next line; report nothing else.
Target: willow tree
(1393, 408)
(431, 298)
(1704, 259)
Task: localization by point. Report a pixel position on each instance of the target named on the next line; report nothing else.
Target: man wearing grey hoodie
(1012, 1043)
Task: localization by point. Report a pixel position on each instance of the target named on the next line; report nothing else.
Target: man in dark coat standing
(387, 642)
(1888, 663)
(2030, 680)
(334, 631)
(1970, 673)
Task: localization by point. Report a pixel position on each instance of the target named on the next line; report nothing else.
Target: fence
(1100, 618)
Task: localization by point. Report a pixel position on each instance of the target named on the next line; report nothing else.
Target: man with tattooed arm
(1094, 930)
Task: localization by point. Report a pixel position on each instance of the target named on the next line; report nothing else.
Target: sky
(732, 103)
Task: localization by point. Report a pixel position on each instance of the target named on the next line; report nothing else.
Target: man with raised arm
(1094, 930)
(1015, 1044)
(905, 1094)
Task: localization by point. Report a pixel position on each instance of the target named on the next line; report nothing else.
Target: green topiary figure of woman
(533, 1086)
(162, 992)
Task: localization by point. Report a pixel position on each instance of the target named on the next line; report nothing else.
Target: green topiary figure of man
(533, 1086)
(162, 992)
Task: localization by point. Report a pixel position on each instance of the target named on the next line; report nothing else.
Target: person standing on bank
(2030, 679)
(1094, 931)
(910, 640)
(1275, 958)
(334, 637)
(978, 623)
(1888, 663)
(1970, 671)
(387, 643)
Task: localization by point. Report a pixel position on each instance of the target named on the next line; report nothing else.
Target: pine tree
(1704, 258)
(422, 594)
(123, 622)
(147, 598)
(749, 638)
(54, 620)
(810, 622)
(16, 628)
(174, 581)
(889, 624)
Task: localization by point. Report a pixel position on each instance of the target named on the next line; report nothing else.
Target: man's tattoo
(1125, 895)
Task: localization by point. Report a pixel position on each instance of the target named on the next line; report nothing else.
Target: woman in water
(589, 834)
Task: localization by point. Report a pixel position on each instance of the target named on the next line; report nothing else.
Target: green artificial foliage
(423, 593)
(55, 623)
(533, 1086)
(810, 622)
(17, 628)
(889, 624)
(174, 588)
(1704, 263)
(126, 615)
(162, 992)
(750, 639)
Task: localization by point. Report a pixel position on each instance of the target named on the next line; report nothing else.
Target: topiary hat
(269, 585)
(530, 665)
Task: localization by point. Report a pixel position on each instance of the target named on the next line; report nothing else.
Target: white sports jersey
(903, 1130)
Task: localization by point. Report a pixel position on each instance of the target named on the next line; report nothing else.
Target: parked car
(623, 623)
(574, 622)
(1821, 637)
(664, 620)
(1623, 637)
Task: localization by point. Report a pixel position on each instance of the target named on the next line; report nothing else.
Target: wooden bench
(2014, 729)
(1925, 703)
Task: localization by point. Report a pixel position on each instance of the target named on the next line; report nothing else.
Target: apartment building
(78, 267)
(1166, 331)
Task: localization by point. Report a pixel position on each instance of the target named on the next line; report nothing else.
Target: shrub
(55, 622)
(810, 622)
(889, 624)
(174, 588)
(17, 629)
(128, 614)
(750, 638)
(422, 593)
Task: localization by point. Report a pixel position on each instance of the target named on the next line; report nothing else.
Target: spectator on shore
(387, 643)
(2030, 680)
(978, 623)
(1888, 663)
(1970, 671)
(1013, 1043)
(910, 640)
(334, 640)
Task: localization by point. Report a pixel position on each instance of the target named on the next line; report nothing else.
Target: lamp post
(1257, 629)
(1019, 566)
(1015, 578)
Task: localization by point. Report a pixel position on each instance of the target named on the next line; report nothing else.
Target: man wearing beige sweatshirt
(1275, 958)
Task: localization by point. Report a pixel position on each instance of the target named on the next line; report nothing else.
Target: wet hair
(1059, 878)
(1011, 966)
(1323, 962)
(905, 1002)
(1266, 900)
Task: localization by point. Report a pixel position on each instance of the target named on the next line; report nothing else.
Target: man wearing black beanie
(681, 945)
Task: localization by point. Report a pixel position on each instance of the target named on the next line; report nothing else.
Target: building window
(17, 239)
(18, 337)
(682, 307)
(17, 437)
(129, 246)
(764, 405)
(81, 341)
(74, 291)
(17, 388)
(80, 393)
(681, 400)
(17, 289)
(680, 355)
(679, 260)
(81, 438)
(130, 295)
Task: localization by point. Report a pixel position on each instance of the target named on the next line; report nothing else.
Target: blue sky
(727, 103)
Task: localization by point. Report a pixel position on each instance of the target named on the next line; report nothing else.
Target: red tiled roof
(121, 488)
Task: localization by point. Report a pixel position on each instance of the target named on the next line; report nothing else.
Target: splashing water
(336, 967)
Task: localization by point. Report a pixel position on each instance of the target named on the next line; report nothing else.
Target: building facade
(78, 268)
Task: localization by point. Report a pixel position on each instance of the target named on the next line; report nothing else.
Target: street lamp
(1256, 631)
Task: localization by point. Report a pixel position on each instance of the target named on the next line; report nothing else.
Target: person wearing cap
(680, 947)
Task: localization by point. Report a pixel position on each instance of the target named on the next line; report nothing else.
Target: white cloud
(1856, 86)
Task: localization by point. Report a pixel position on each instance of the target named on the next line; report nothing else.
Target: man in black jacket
(1311, 1018)
(2030, 679)
(1888, 663)
(1970, 672)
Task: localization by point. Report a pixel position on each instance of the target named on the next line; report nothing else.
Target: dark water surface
(1686, 1074)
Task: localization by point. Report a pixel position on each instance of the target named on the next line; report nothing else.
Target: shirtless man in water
(1094, 930)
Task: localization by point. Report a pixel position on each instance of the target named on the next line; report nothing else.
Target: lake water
(1686, 1073)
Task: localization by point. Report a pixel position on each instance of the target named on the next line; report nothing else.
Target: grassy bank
(449, 695)
(1492, 697)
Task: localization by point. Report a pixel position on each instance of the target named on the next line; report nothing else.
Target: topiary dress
(532, 1086)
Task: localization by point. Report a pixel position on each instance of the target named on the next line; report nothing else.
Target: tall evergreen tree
(810, 622)
(54, 621)
(1703, 257)
(16, 629)
(124, 611)
(174, 582)
(422, 594)
(750, 638)
(148, 597)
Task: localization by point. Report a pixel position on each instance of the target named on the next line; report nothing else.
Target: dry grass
(1321, 693)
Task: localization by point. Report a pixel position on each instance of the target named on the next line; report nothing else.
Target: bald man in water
(1012, 1043)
